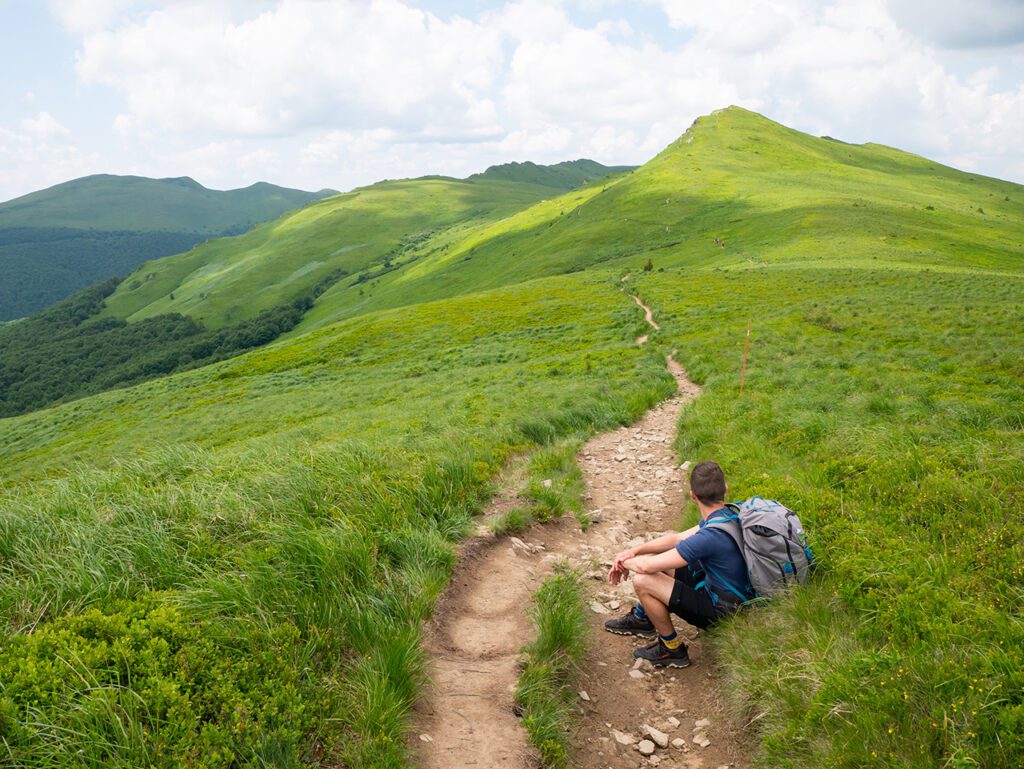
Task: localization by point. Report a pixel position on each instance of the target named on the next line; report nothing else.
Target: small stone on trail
(636, 674)
(518, 544)
(426, 738)
(598, 608)
(678, 742)
(547, 483)
(654, 759)
(642, 664)
(584, 696)
(701, 739)
(613, 605)
(701, 724)
(659, 737)
(685, 466)
(674, 721)
(622, 738)
(646, 747)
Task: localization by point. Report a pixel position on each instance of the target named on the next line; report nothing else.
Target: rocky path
(631, 716)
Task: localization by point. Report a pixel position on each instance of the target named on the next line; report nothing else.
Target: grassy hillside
(227, 567)
(885, 407)
(353, 239)
(767, 193)
(66, 237)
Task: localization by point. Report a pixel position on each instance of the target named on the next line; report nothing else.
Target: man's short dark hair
(708, 482)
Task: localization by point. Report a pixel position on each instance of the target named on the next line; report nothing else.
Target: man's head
(707, 483)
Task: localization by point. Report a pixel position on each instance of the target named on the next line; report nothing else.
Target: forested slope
(58, 240)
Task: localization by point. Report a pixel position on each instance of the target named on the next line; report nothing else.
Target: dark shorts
(693, 604)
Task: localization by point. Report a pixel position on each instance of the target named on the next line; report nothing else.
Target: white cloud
(44, 127)
(38, 155)
(340, 93)
(82, 16)
(302, 64)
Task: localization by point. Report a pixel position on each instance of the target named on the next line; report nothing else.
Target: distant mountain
(58, 240)
(563, 176)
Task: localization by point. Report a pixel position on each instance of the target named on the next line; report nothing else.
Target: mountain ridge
(76, 233)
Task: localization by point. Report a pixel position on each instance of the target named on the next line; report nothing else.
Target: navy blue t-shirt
(715, 551)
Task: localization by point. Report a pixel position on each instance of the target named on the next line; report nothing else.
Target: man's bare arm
(651, 564)
(655, 546)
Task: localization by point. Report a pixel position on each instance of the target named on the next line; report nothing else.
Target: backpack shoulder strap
(729, 524)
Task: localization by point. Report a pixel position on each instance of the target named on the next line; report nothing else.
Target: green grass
(228, 567)
(288, 515)
(355, 239)
(546, 694)
(885, 407)
(554, 483)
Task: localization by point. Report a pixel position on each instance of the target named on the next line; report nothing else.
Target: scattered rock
(678, 742)
(598, 608)
(426, 738)
(636, 674)
(646, 747)
(659, 737)
(613, 605)
(622, 738)
(584, 696)
(547, 483)
(674, 721)
(703, 723)
(654, 759)
(642, 664)
(685, 466)
(701, 739)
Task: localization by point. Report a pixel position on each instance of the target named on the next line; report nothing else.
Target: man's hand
(618, 572)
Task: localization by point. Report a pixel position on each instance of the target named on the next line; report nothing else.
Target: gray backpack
(771, 541)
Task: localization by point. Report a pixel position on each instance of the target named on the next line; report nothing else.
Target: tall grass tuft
(546, 693)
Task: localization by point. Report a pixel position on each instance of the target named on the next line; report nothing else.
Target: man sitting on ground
(698, 575)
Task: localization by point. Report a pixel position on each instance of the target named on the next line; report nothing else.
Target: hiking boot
(631, 625)
(660, 655)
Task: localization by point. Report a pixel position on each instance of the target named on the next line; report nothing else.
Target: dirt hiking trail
(634, 491)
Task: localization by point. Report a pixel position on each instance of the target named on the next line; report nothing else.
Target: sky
(341, 93)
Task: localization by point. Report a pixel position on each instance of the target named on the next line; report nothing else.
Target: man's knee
(643, 583)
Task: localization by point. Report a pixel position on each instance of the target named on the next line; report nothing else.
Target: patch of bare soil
(634, 490)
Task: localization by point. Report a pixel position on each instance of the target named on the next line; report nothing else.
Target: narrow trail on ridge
(634, 492)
